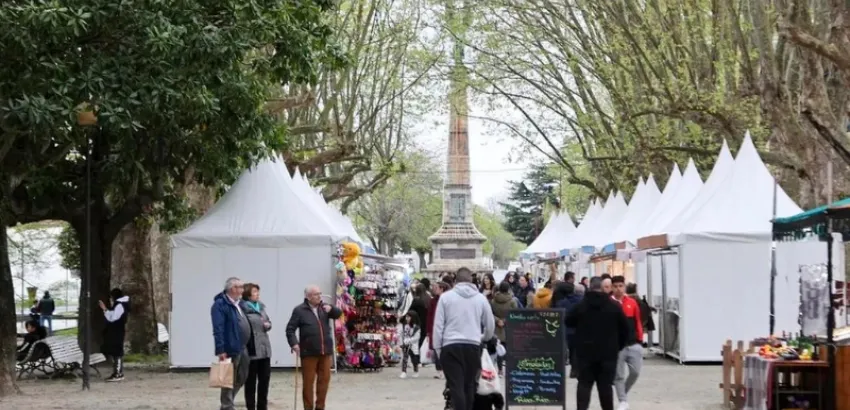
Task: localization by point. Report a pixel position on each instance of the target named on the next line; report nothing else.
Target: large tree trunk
(8, 320)
(131, 264)
(101, 273)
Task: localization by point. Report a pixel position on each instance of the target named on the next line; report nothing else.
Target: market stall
(818, 286)
(368, 293)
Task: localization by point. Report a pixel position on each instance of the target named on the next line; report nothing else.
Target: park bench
(37, 359)
(66, 356)
(162, 337)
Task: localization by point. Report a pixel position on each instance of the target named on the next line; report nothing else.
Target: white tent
(558, 229)
(262, 232)
(609, 218)
(670, 198)
(715, 182)
(338, 221)
(643, 203)
(723, 251)
(675, 198)
(586, 227)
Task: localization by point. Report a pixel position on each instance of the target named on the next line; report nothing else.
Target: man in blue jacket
(231, 332)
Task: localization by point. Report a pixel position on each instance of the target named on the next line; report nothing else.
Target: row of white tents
(270, 229)
(700, 251)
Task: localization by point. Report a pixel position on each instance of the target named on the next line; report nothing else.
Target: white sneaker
(415, 375)
(403, 375)
(439, 375)
(623, 406)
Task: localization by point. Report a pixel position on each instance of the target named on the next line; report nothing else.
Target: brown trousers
(316, 372)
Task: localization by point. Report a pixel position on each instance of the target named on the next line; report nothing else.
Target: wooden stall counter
(753, 382)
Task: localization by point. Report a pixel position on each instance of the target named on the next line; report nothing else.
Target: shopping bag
(489, 382)
(500, 350)
(221, 374)
(425, 353)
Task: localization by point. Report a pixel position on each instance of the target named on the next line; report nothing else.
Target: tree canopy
(154, 95)
(524, 210)
(635, 86)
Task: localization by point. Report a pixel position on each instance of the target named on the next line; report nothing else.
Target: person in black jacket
(314, 344)
(35, 332)
(601, 332)
(113, 333)
(420, 304)
(45, 308)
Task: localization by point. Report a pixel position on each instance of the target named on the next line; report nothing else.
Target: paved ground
(663, 386)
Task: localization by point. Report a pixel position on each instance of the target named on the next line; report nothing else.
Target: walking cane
(295, 396)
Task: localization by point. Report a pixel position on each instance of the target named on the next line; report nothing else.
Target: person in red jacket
(630, 359)
(437, 289)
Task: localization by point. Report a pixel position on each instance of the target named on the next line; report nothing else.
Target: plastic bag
(221, 374)
(425, 353)
(500, 350)
(489, 382)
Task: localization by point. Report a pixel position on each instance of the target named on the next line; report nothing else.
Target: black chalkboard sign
(534, 367)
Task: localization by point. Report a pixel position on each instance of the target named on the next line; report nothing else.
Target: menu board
(534, 368)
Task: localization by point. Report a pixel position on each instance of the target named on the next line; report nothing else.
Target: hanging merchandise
(814, 299)
(367, 339)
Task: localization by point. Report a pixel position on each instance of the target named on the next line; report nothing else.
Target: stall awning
(814, 222)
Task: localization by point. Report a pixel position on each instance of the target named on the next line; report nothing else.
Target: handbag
(221, 374)
(425, 352)
(489, 382)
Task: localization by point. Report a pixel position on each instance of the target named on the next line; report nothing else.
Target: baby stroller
(489, 400)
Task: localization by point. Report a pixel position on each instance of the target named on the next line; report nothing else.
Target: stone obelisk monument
(457, 243)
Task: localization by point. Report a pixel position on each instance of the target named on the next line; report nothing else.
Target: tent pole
(830, 320)
(772, 321)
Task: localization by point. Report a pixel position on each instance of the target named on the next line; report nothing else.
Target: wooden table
(768, 383)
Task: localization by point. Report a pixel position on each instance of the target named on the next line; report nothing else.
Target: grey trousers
(240, 375)
(629, 364)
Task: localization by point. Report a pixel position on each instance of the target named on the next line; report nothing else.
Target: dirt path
(662, 386)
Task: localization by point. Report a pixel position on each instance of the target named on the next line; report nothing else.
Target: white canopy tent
(584, 228)
(611, 216)
(669, 198)
(643, 203)
(559, 228)
(335, 218)
(722, 249)
(679, 197)
(262, 232)
(723, 167)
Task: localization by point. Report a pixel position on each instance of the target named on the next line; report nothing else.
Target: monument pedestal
(457, 246)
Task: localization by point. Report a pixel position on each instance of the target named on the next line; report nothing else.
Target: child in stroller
(493, 401)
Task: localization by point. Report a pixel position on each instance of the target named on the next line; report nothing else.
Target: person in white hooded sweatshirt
(463, 320)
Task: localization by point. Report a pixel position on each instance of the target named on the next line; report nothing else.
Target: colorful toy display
(366, 334)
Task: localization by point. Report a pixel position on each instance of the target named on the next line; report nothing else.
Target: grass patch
(73, 331)
(145, 359)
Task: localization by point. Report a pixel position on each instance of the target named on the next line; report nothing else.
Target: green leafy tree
(69, 250)
(153, 94)
(402, 214)
(524, 209)
(500, 245)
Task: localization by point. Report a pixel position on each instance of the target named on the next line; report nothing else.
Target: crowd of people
(460, 315)
(605, 322)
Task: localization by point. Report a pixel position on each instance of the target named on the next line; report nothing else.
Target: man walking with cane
(315, 346)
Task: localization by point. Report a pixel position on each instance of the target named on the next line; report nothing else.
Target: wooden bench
(66, 356)
(37, 359)
(162, 337)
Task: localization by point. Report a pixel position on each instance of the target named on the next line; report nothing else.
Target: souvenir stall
(818, 288)
(368, 292)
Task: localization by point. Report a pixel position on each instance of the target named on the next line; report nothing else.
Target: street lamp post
(86, 118)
